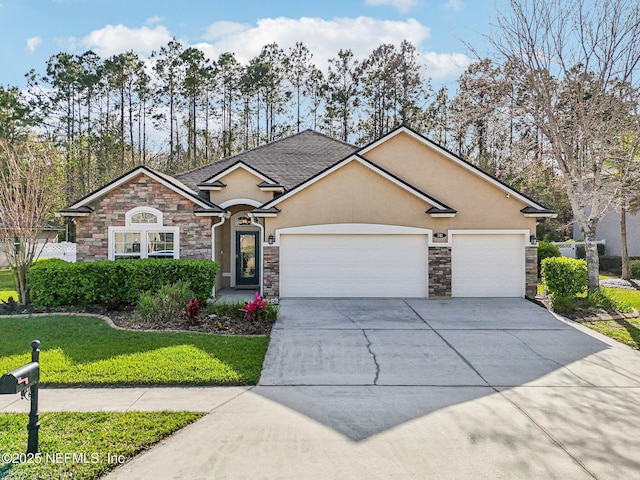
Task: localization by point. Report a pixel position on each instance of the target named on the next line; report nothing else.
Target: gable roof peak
(286, 161)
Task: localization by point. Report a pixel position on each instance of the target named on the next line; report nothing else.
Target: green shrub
(581, 252)
(546, 250)
(599, 299)
(232, 309)
(564, 277)
(55, 282)
(167, 303)
(564, 304)
(634, 268)
(611, 264)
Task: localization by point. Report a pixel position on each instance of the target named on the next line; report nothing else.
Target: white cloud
(114, 39)
(222, 29)
(324, 38)
(153, 20)
(445, 65)
(403, 6)
(32, 43)
(453, 5)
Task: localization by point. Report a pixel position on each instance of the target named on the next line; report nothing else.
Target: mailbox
(24, 380)
(20, 379)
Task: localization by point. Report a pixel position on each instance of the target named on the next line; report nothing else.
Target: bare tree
(574, 66)
(29, 189)
(629, 204)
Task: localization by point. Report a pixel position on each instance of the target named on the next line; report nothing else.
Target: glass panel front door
(247, 258)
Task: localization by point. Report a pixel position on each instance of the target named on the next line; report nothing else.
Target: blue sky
(34, 30)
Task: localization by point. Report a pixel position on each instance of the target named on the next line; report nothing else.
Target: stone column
(271, 279)
(439, 272)
(531, 269)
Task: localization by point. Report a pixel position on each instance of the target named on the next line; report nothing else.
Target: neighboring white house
(609, 231)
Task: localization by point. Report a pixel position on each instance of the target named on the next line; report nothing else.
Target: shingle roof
(289, 161)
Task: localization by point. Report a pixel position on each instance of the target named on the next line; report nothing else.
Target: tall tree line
(179, 109)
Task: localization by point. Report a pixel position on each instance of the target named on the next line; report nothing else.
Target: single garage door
(325, 265)
(487, 265)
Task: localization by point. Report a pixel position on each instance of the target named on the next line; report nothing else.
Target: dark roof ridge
(264, 145)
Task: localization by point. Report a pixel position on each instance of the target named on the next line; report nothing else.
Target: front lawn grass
(7, 286)
(76, 445)
(628, 298)
(625, 331)
(85, 351)
(6, 280)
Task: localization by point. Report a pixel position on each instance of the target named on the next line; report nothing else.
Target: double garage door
(396, 265)
(361, 265)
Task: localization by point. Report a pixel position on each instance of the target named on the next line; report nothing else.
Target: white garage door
(353, 265)
(487, 266)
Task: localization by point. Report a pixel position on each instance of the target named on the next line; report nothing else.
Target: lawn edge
(109, 322)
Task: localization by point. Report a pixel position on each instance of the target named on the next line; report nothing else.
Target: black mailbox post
(24, 380)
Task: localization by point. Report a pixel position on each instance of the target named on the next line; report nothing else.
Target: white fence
(63, 250)
(568, 249)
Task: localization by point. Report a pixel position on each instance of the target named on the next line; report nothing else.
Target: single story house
(311, 216)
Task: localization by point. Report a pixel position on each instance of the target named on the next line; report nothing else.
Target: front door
(247, 258)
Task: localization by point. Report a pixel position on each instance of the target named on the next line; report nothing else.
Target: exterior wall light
(533, 240)
(270, 239)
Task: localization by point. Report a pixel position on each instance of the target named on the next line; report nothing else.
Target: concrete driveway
(455, 389)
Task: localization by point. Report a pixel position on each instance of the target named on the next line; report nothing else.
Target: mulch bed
(126, 318)
(583, 314)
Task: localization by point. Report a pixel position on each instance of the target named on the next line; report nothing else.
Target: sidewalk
(197, 399)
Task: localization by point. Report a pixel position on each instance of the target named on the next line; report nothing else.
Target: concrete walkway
(195, 399)
(478, 389)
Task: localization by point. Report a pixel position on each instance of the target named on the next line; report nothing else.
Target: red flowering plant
(253, 308)
(193, 309)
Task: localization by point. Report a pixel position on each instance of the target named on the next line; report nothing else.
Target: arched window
(143, 216)
(144, 236)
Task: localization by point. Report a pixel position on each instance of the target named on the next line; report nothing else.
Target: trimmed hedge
(565, 277)
(55, 282)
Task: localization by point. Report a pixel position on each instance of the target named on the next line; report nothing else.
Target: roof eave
(541, 215)
(264, 212)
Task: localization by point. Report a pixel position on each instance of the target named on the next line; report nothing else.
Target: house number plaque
(439, 235)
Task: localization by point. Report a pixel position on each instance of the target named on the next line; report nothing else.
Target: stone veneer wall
(271, 285)
(92, 231)
(531, 269)
(439, 271)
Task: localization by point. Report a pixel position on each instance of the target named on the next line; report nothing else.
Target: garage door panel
(487, 265)
(353, 265)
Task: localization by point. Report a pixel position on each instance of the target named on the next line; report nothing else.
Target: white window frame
(144, 229)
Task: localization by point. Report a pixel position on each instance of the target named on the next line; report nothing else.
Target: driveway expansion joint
(458, 353)
(544, 357)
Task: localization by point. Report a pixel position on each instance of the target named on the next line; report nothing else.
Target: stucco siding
(478, 203)
(352, 194)
(240, 184)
